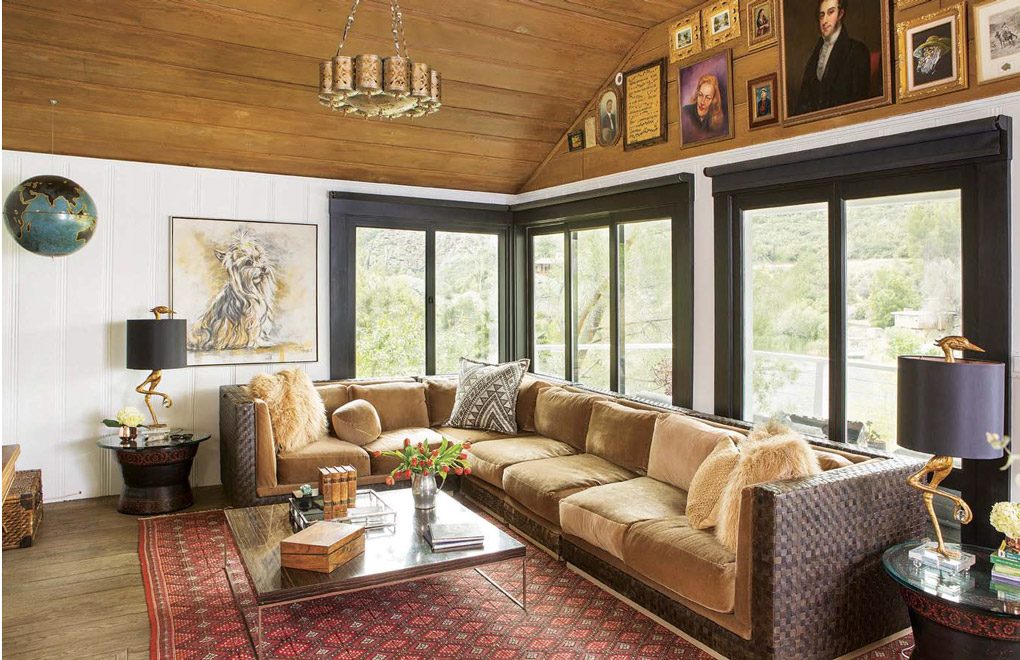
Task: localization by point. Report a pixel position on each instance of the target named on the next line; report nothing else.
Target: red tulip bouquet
(420, 459)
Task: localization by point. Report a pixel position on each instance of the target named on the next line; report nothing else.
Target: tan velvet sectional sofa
(602, 482)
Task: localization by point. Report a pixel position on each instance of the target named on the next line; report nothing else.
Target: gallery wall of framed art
(795, 71)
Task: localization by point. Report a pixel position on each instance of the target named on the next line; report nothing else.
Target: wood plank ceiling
(232, 83)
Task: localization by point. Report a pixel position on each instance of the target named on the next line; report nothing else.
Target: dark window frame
(670, 197)
(973, 157)
(350, 211)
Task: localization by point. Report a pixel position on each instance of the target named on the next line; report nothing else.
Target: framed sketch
(575, 140)
(249, 290)
(997, 39)
(644, 105)
(706, 99)
(609, 122)
(761, 24)
(833, 59)
(720, 22)
(762, 101)
(931, 52)
(685, 37)
(589, 131)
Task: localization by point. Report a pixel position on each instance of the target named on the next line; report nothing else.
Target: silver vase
(423, 489)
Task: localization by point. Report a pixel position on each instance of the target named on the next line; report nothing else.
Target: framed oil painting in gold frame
(685, 37)
(931, 54)
(761, 24)
(720, 22)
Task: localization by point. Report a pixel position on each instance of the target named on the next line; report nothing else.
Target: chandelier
(373, 86)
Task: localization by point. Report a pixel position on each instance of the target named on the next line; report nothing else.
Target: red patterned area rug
(193, 614)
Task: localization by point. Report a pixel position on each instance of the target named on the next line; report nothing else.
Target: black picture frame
(627, 111)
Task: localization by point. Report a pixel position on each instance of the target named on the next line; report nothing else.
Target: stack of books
(338, 487)
(1006, 573)
(453, 536)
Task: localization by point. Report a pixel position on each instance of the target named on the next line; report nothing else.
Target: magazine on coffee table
(453, 536)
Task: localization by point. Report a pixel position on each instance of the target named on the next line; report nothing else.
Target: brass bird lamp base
(939, 468)
(148, 389)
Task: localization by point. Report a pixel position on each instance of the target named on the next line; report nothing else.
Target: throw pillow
(487, 395)
(828, 460)
(773, 458)
(295, 408)
(708, 484)
(357, 422)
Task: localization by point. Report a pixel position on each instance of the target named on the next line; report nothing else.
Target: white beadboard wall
(63, 319)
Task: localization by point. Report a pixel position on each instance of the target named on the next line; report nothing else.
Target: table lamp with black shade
(154, 345)
(946, 407)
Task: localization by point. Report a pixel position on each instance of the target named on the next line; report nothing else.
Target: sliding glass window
(549, 304)
(467, 298)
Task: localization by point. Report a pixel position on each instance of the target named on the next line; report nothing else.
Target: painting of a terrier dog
(248, 290)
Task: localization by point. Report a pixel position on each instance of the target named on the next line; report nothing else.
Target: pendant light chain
(347, 28)
(398, 29)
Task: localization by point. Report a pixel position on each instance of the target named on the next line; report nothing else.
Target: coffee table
(393, 554)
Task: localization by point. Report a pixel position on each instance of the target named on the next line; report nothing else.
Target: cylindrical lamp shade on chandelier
(368, 85)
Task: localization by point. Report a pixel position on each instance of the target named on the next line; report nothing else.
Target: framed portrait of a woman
(706, 100)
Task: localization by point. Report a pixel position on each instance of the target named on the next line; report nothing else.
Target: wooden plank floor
(77, 593)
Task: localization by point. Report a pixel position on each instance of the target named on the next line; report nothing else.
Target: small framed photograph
(706, 99)
(644, 100)
(720, 22)
(761, 24)
(589, 131)
(762, 104)
(575, 140)
(685, 37)
(997, 39)
(931, 52)
(609, 126)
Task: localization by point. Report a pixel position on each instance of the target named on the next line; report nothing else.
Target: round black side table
(955, 616)
(156, 466)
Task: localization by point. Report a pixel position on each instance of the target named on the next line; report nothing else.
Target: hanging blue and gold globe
(50, 215)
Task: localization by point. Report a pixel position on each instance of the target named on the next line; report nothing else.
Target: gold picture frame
(931, 54)
(761, 24)
(907, 4)
(992, 61)
(685, 37)
(720, 22)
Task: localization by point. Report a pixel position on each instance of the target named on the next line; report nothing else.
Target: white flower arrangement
(1005, 517)
(126, 416)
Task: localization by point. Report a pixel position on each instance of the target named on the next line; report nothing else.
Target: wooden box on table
(322, 547)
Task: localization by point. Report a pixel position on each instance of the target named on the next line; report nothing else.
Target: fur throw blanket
(773, 453)
(295, 407)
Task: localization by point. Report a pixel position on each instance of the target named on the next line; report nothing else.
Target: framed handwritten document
(644, 100)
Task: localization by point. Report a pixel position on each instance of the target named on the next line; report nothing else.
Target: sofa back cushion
(621, 435)
(680, 444)
(563, 415)
(527, 399)
(357, 422)
(333, 396)
(400, 405)
(440, 393)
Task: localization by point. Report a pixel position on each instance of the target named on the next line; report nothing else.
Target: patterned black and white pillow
(487, 395)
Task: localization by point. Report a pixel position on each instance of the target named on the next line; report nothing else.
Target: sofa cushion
(400, 405)
(295, 408)
(620, 435)
(393, 441)
(680, 444)
(440, 393)
(487, 395)
(356, 422)
(705, 496)
(540, 485)
(473, 435)
(301, 466)
(563, 415)
(489, 459)
(688, 561)
(527, 398)
(333, 396)
(601, 515)
(265, 447)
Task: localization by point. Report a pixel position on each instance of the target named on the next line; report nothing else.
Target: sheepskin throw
(295, 408)
(487, 395)
(708, 484)
(357, 422)
(771, 458)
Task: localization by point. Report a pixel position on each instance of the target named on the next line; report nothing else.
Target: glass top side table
(155, 466)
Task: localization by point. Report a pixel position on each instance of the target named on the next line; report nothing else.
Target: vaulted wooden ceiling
(232, 83)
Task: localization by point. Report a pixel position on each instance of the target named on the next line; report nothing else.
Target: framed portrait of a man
(607, 129)
(932, 54)
(836, 57)
(706, 100)
(762, 107)
(996, 39)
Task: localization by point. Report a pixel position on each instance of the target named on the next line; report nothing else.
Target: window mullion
(837, 315)
(430, 301)
(569, 298)
(615, 369)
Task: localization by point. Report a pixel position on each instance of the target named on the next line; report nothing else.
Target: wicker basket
(22, 512)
